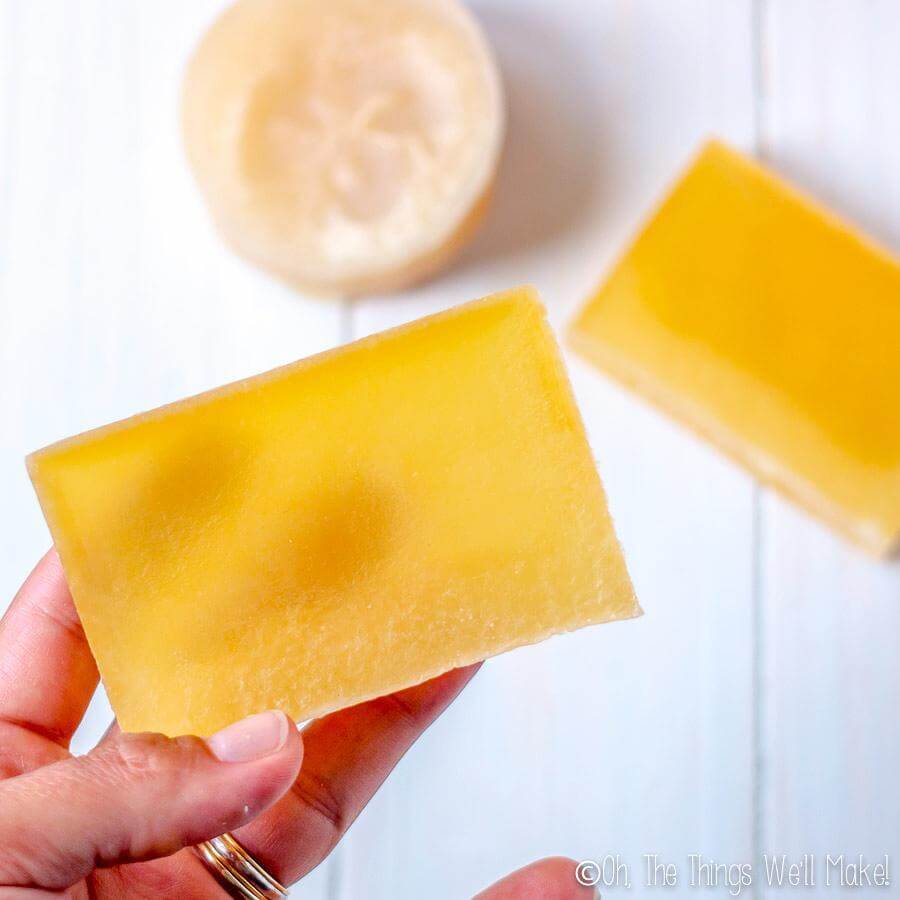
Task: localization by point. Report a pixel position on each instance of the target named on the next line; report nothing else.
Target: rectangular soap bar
(772, 329)
(339, 528)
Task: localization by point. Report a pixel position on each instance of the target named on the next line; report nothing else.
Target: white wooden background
(755, 707)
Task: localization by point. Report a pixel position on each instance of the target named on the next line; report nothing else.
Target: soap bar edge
(527, 292)
(769, 472)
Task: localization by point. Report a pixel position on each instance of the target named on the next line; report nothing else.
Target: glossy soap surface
(338, 528)
(771, 328)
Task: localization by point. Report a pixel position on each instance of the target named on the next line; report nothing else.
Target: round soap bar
(347, 146)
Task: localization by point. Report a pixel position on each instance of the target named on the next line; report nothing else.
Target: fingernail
(252, 738)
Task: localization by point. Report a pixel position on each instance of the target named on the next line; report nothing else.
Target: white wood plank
(629, 738)
(116, 295)
(831, 617)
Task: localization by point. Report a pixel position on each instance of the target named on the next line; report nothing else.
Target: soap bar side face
(339, 528)
(772, 329)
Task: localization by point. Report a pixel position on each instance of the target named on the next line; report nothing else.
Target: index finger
(47, 672)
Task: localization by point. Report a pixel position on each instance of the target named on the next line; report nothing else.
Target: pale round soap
(347, 146)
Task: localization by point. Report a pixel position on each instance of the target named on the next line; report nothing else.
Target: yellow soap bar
(338, 528)
(772, 329)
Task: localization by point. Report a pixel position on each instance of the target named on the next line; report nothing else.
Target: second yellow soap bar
(772, 329)
(337, 529)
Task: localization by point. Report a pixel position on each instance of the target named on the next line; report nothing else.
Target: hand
(117, 822)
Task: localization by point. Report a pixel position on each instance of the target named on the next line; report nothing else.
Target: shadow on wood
(548, 171)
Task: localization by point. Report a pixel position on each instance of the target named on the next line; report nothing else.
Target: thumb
(141, 796)
(553, 878)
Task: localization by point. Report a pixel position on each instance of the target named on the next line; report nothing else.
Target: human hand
(121, 820)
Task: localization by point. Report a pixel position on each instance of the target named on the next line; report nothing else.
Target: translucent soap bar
(771, 328)
(339, 528)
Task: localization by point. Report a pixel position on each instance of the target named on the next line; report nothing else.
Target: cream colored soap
(339, 528)
(773, 329)
(347, 146)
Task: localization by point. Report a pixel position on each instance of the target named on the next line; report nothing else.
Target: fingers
(347, 756)
(140, 797)
(47, 673)
(546, 879)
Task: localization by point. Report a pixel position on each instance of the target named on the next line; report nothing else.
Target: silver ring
(237, 871)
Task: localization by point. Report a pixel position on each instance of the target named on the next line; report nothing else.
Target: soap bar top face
(339, 528)
(773, 330)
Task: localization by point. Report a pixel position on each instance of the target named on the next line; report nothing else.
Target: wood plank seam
(758, 830)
